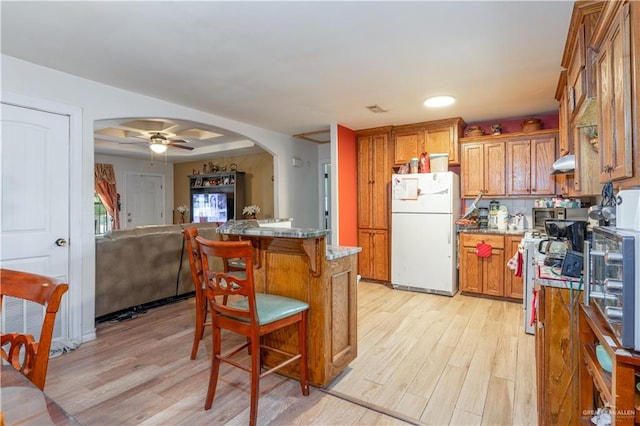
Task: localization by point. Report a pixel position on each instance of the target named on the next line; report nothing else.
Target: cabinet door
(380, 255)
(541, 372)
(365, 182)
(560, 356)
(493, 273)
(576, 73)
(365, 266)
(494, 169)
(373, 181)
(472, 169)
(407, 145)
(513, 286)
(470, 273)
(543, 154)
(564, 133)
(373, 260)
(442, 140)
(614, 97)
(518, 173)
(381, 174)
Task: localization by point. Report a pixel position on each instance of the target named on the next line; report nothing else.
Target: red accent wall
(347, 190)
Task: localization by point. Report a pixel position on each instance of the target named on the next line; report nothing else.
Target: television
(209, 207)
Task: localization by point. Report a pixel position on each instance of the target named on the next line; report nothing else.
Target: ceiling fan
(159, 143)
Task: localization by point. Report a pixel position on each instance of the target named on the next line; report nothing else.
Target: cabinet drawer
(470, 240)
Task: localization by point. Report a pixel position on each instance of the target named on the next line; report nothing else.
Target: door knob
(60, 242)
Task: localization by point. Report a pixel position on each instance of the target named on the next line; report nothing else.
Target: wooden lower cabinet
(298, 268)
(557, 354)
(513, 286)
(374, 259)
(482, 275)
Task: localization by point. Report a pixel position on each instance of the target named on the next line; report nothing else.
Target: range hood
(565, 165)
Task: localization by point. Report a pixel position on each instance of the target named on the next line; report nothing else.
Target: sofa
(143, 265)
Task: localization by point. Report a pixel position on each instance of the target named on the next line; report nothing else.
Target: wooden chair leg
(215, 366)
(255, 379)
(201, 316)
(302, 347)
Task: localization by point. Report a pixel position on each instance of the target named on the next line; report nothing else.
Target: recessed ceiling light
(439, 101)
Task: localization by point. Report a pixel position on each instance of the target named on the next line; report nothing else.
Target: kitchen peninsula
(298, 263)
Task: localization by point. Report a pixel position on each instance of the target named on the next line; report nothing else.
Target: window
(102, 220)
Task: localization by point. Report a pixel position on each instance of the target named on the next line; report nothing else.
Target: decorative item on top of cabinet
(616, 40)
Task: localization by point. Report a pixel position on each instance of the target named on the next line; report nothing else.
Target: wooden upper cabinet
(483, 169)
(407, 145)
(614, 98)
(564, 124)
(529, 166)
(374, 175)
(578, 58)
(441, 136)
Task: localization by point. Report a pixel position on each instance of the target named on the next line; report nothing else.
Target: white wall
(295, 188)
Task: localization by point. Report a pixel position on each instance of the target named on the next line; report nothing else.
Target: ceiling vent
(376, 108)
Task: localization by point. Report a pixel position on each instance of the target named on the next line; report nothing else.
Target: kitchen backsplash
(514, 205)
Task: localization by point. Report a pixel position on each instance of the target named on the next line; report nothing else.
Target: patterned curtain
(105, 183)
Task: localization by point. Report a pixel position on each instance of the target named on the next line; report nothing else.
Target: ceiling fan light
(439, 101)
(158, 148)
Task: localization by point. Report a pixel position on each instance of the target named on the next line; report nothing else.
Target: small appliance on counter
(612, 278)
(483, 217)
(539, 215)
(494, 206)
(562, 236)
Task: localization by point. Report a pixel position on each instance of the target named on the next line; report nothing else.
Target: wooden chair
(190, 235)
(26, 355)
(249, 314)
(202, 311)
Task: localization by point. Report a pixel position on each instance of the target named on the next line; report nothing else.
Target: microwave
(612, 278)
(539, 215)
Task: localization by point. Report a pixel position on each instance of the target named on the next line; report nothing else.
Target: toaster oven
(613, 281)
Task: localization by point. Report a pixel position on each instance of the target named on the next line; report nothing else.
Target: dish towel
(515, 263)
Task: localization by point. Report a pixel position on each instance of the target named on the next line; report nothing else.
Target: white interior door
(144, 200)
(34, 151)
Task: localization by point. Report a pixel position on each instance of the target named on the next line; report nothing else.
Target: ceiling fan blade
(133, 143)
(181, 146)
(178, 141)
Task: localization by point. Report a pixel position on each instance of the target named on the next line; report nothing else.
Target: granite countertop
(492, 231)
(336, 252)
(254, 229)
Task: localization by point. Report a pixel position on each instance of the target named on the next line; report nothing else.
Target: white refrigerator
(424, 208)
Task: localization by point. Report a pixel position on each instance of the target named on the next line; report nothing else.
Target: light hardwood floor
(422, 358)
